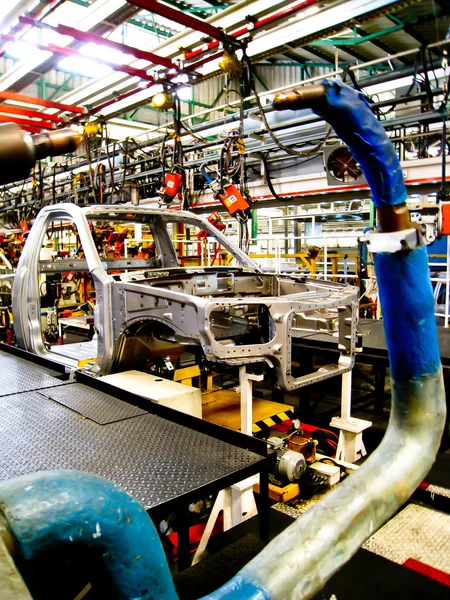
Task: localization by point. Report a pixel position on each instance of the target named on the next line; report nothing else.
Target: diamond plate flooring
(417, 533)
(92, 404)
(153, 459)
(20, 375)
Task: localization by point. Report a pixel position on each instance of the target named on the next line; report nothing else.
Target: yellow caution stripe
(273, 420)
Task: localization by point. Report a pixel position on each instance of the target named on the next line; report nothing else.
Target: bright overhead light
(18, 50)
(105, 53)
(184, 93)
(83, 66)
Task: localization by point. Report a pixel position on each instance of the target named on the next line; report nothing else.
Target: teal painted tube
(63, 509)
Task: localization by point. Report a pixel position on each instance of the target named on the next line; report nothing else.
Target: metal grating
(20, 375)
(416, 532)
(92, 404)
(153, 459)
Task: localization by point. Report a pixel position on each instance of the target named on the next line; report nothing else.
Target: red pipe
(179, 17)
(39, 102)
(25, 112)
(66, 51)
(36, 14)
(259, 24)
(26, 122)
(215, 44)
(86, 36)
(100, 107)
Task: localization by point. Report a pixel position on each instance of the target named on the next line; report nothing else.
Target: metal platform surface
(159, 462)
(92, 404)
(19, 375)
(416, 533)
(78, 350)
(373, 340)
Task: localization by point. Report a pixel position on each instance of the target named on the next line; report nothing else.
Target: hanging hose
(278, 143)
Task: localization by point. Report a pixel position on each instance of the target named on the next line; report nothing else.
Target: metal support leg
(350, 445)
(237, 504)
(245, 381)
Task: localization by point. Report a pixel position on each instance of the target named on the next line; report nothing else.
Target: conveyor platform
(163, 458)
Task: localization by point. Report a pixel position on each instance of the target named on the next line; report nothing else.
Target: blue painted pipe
(48, 510)
(349, 113)
(62, 509)
(205, 173)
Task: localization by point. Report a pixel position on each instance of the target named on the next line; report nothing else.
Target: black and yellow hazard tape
(265, 424)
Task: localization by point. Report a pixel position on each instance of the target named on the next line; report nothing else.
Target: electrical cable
(251, 81)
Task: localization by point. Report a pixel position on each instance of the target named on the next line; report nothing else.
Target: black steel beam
(383, 46)
(322, 55)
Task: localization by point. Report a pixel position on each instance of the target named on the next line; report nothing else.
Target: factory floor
(408, 558)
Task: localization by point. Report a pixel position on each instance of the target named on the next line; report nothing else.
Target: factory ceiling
(126, 51)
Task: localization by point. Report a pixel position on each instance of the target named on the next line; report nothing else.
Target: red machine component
(178, 17)
(216, 220)
(86, 36)
(25, 112)
(68, 51)
(232, 199)
(172, 185)
(258, 24)
(15, 97)
(445, 218)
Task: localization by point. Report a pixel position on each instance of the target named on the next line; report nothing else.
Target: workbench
(162, 457)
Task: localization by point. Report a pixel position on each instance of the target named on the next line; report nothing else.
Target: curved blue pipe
(205, 173)
(45, 510)
(59, 509)
(349, 113)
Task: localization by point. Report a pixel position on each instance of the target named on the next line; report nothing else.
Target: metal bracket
(245, 381)
(395, 241)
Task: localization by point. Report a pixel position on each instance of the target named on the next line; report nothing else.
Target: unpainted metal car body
(237, 314)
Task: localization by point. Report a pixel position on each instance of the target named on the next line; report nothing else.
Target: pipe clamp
(393, 241)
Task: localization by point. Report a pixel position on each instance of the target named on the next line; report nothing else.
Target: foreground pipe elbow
(298, 563)
(63, 510)
(350, 115)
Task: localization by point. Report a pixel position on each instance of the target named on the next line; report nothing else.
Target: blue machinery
(52, 510)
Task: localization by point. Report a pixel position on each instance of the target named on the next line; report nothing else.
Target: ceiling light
(162, 101)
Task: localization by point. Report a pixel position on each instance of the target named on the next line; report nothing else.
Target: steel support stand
(237, 504)
(246, 386)
(350, 446)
